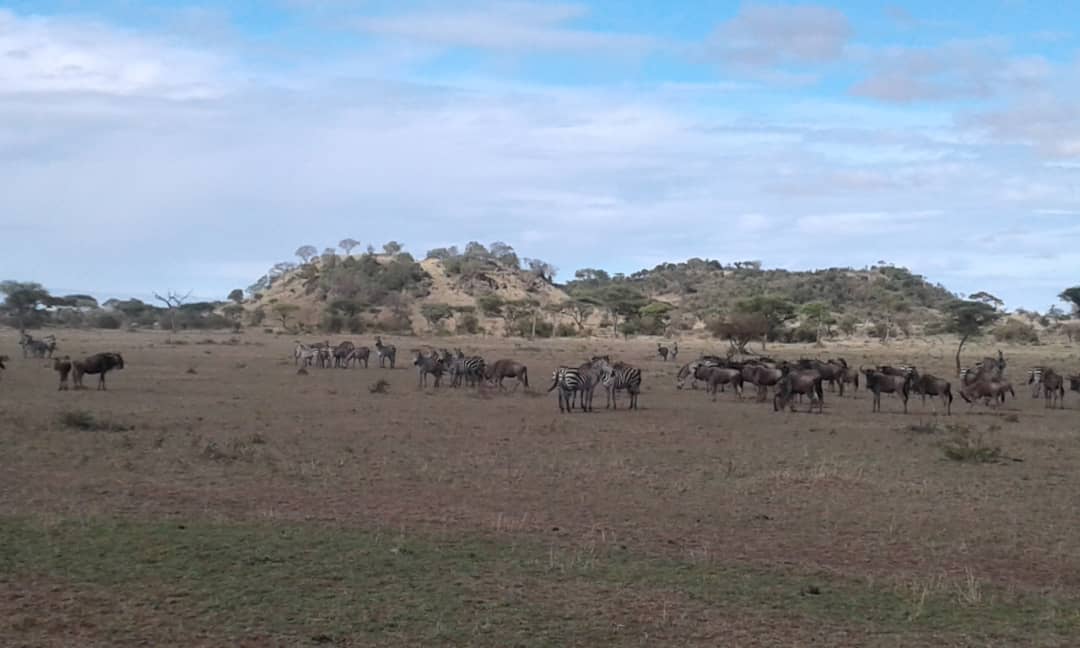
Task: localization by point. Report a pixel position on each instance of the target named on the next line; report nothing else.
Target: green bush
(468, 323)
(106, 321)
(565, 330)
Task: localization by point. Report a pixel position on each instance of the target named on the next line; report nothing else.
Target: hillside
(484, 292)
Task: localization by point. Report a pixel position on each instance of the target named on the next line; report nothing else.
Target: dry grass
(776, 504)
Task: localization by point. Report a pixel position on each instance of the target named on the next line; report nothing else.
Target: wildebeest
(991, 390)
(359, 355)
(716, 376)
(689, 370)
(342, 354)
(427, 364)
(499, 370)
(99, 363)
(879, 383)
(662, 351)
(762, 376)
(806, 383)
(1053, 387)
(62, 366)
(386, 353)
(930, 385)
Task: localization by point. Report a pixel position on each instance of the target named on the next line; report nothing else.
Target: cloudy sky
(164, 145)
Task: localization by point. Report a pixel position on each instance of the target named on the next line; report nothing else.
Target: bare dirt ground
(687, 522)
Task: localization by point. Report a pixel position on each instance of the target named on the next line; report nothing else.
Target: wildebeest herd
(790, 382)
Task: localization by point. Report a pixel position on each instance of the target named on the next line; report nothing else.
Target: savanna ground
(216, 497)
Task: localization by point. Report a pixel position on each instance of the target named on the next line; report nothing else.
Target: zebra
(427, 364)
(386, 353)
(572, 381)
(343, 353)
(467, 368)
(306, 356)
(37, 348)
(358, 355)
(1035, 379)
(674, 351)
(616, 377)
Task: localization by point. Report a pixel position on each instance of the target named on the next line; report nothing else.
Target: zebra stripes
(619, 377)
(1035, 379)
(470, 370)
(573, 381)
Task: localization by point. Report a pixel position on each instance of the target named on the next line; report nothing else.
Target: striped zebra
(469, 369)
(617, 377)
(572, 381)
(386, 353)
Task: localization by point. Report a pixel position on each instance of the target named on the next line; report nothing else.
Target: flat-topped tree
(306, 252)
(969, 319)
(347, 245)
(21, 298)
(1071, 296)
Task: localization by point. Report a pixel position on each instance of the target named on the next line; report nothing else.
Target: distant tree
(542, 269)
(475, 250)
(347, 245)
(490, 305)
(849, 324)
(1055, 313)
(592, 275)
(968, 319)
(1071, 296)
(370, 251)
(740, 329)
(987, 298)
(234, 312)
(622, 301)
(435, 314)
(173, 301)
(392, 248)
(236, 295)
(442, 254)
(579, 311)
(23, 298)
(818, 314)
(306, 252)
(504, 254)
(283, 312)
(776, 311)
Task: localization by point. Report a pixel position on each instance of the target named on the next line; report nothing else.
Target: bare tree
(173, 301)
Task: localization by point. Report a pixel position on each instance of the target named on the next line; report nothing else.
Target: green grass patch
(315, 584)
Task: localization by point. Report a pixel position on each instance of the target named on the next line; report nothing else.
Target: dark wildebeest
(499, 370)
(831, 371)
(62, 366)
(662, 351)
(762, 376)
(99, 363)
(359, 355)
(428, 364)
(1074, 382)
(806, 383)
(1053, 385)
(716, 376)
(930, 385)
(879, 383)
(991, 390)
(342, 353)
(689, 370)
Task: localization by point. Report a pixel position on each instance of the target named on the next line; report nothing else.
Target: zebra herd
(342, 356)
(579, 383)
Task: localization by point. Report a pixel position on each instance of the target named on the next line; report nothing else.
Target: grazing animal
(674, 351)
(805, 383)
(572, 381)
(662, 351)
(689, 370)
(500, 370)
(930, 385)
(359, 355)
(342, 353)
(762, 376)
(37, 348)
(62, 366)
(1074, 381)
(882, 383)
(617, 377)
(467, 369)
(99, 363)
(1053, 387)
(427, 364)
(386, 353)
(716, 376)
(1035, 380)
(990, 390)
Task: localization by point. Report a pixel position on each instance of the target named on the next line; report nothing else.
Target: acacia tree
(237, 295)
(1071, 296)
(173, 301)
(392, 248)
(22, 298)
(969, 319)
(578, 311)
(283, 312)
(818, 313)
(739, 329)
(775, 310)
(347, 245)
(306, 252)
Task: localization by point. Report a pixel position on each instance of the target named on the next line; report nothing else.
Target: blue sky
(170, 145)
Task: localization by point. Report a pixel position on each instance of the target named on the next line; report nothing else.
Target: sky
(165, 145)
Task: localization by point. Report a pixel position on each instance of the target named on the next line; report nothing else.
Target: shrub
(106, 321)
(468, 323)
(490, 305)
(963, 446)
(565, 330)
(1017, 332)
(83, 420)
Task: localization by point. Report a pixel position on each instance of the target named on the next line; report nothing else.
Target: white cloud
(40, 54)
(764, 36)
(504, 27)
